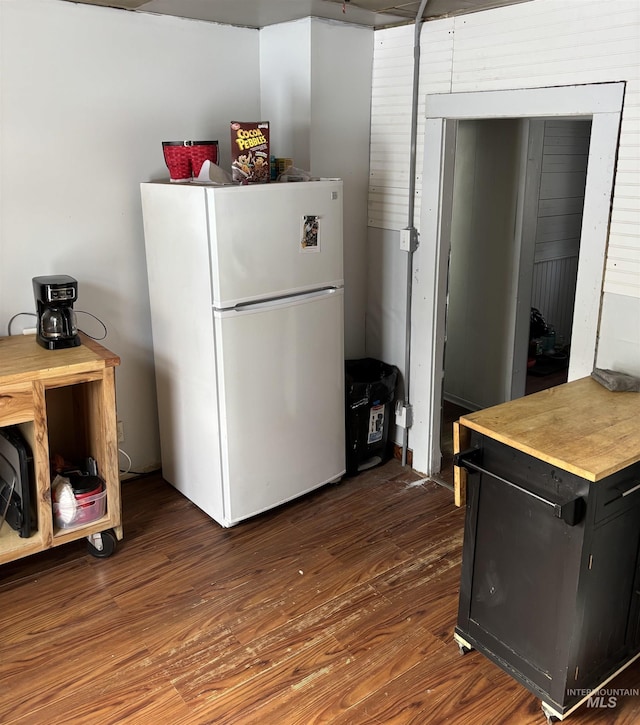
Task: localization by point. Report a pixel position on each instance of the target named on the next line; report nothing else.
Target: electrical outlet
(120, 431)
(404, 414)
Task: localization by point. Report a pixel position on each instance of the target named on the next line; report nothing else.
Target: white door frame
(603, 103)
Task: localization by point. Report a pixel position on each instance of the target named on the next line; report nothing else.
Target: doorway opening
(602, 103)
(511, 239)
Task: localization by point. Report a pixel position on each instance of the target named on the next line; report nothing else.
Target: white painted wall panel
(552, 207)
(557, 228)
(535, 44)
(392, 93)
(559, 221)
(553, 292)
(341, 65)
(557, 249)
(554, 185)
(621, 217)
(617, 254)
(479, 344)
(285, 89)
(620, 338)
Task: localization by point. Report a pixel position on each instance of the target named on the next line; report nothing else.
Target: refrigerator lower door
(281, 400)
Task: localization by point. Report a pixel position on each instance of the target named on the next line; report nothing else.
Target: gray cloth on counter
(617, 382)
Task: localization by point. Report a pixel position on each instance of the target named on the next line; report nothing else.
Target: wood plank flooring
(338, 608)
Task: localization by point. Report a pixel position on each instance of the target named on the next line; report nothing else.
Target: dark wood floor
(535, 383)
(338, 608)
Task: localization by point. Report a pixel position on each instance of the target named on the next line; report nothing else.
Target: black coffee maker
(55, 295)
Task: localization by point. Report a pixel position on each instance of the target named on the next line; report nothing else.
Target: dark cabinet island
(550, 584)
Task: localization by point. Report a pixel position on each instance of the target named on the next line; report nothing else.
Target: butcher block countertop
(580, 427)
(23, 360)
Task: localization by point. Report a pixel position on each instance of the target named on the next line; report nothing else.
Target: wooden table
(580, 427)
(62, 402)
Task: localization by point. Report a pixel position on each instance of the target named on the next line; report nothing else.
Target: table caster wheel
(551, 718)
(463, 646)
(102, 545)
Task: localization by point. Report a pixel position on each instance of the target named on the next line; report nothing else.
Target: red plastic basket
(184, 159)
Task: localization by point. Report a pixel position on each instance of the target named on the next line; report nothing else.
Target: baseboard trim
(128, 476)
(461, 402)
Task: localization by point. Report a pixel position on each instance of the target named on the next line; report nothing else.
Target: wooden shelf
(11, 543)
(63, 401)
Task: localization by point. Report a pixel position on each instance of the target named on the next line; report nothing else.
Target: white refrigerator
(246, 295)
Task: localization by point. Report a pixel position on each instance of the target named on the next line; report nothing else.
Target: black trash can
(370, 387)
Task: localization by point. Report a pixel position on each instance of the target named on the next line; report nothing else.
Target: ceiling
(260, 13)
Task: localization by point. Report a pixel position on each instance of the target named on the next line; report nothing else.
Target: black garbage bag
(370, 388)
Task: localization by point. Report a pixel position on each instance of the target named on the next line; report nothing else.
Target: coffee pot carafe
(55, 295)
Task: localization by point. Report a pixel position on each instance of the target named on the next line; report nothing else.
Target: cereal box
(250, 152)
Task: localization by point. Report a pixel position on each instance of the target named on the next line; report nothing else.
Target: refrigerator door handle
(283, 301)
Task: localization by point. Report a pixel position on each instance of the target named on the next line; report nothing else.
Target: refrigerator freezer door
(281, 385)
(271, 240)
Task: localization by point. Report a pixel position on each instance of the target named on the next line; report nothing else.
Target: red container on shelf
(90, 502)
(88, 492)
(85, 485)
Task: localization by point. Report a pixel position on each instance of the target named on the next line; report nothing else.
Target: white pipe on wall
(412, 231)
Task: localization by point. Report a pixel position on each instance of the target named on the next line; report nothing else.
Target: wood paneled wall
(563, 175)
(534, 44)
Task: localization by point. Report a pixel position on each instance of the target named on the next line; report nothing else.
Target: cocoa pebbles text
(248, 138)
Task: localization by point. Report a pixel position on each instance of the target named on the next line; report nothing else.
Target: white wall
(87, 96)
(316, 88)
(386, 298)
(341, 61)
(285, 83)
(481, 265)
(620, 328)
(536, 44)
